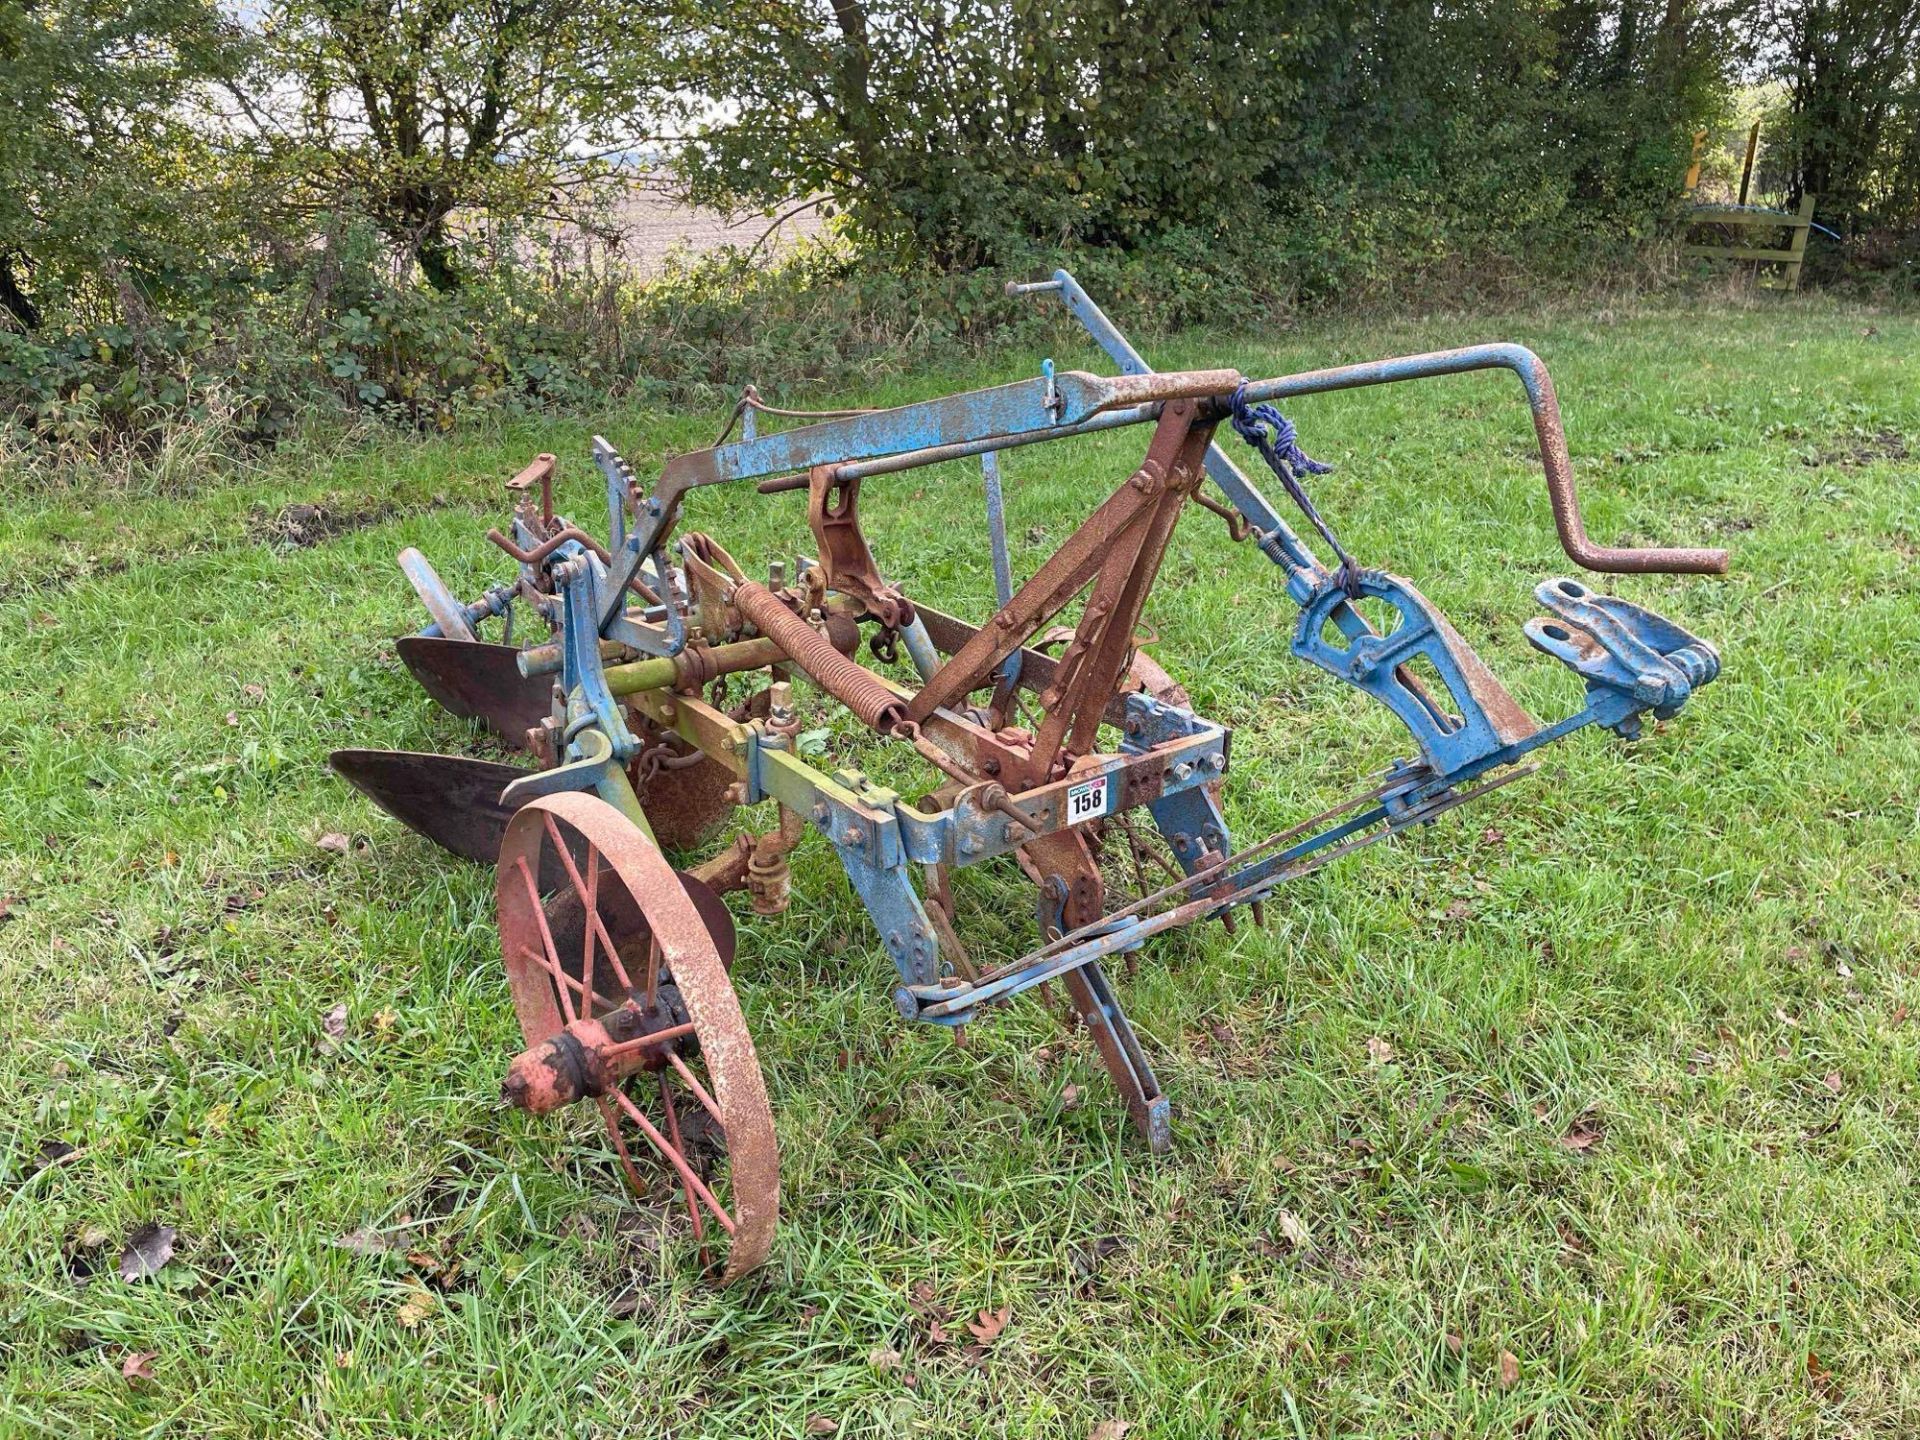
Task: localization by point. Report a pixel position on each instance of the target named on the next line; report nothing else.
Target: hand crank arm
(1554, 460)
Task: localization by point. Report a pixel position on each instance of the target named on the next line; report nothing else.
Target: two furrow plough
(1043, 738)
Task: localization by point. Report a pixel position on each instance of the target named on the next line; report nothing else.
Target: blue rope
(1272, 434)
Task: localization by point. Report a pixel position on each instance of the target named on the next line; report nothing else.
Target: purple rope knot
(1252, 422)
(1273, 435)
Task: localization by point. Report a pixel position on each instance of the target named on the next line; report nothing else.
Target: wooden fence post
(1799, 243)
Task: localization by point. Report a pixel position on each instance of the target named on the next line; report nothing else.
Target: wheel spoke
(593, 908)
(562, 980)
(693, 1084)
(640, 1042)
(594, 922)
(674, 1158)
(653, 967)
(673, 1134)
(546, 939)
(611, 1118)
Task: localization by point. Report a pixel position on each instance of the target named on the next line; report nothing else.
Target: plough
(1043, 738)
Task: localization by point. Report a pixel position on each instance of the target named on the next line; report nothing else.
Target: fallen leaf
(253, 692)
(1899, 1016)
(92, 1237)
(821, 1425)
(1070, 1097)
(233, 718)
(1378, 1050)
(1455, 1345)
(334, 1022)
(383, 1021)
(138, 1366)
(1582, 1136)
(1292, 1229)
(417, 1306)
(1833, 1082)
(1109, 1430)
(987, 1328)
(334, 843)
(147, 1251)
(1509, 1370)
(884, 1357)
(937, 1333)
(343, 1359)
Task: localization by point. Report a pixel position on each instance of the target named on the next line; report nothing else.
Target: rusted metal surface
(687, 805)
(833, 514)
(1548, 431)
(478, 681)
(535, 554)
(852, 684)
(607, 854)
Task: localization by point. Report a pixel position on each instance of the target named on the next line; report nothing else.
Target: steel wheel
(623, 996)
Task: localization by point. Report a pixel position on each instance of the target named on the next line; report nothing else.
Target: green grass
(1674, 944)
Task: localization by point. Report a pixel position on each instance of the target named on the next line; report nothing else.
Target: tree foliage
(217, 208)
(1852, 74)
(962, 129)
(92, 153)
(410, 111)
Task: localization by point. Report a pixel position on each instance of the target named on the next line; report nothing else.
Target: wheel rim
(623, 997)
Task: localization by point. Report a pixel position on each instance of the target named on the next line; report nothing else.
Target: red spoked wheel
(623, 996)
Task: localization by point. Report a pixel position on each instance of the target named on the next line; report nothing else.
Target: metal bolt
(1217, 760)
(820, 813)
(1183, 771)
(853, 835)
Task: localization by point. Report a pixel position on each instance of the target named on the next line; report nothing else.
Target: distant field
(652, 225)
(1589, 1111)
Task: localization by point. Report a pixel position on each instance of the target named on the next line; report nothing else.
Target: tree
(951, 128)
(88, 90)
(959, 130)
(1853, 94)
(412, 110)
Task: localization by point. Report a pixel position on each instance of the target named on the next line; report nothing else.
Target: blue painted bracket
(1485, 718)
(1631, 658)
(589, 702)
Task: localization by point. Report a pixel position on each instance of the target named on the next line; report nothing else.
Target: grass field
(1634, 1155)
